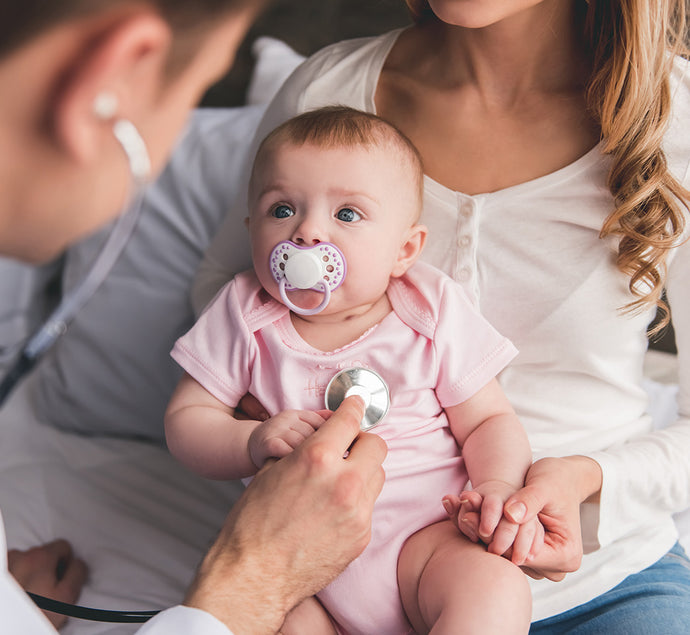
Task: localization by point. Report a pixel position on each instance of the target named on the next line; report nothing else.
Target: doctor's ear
(410, 249)
(116, 71)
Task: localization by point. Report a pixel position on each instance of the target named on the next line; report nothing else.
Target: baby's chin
(302, 298)
(307, 299)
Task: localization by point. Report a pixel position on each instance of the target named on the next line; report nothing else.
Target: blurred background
(307, 26)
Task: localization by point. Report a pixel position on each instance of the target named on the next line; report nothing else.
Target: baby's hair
(343, 127)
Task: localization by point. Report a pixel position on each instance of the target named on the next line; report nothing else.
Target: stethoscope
(45, 337)
(321, 268)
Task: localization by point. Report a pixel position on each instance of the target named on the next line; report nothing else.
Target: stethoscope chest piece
(368, 385)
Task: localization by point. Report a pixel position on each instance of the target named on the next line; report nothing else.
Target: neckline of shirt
(590, 158)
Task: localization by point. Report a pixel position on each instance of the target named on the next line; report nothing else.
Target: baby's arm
(204, 435)
(497, 455)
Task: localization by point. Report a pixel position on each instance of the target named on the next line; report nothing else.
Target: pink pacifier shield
(307, 267)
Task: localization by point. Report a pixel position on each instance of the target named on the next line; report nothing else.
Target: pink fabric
(433, 350)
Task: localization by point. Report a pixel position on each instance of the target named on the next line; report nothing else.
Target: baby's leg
(451, 585)
(308, 618)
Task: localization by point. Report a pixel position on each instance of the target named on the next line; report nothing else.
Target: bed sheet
(140, 520)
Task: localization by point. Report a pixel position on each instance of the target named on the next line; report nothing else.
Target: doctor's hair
(344, 127)
(632, 46)
(22, 20)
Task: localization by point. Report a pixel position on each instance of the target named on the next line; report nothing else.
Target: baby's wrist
(496, 485)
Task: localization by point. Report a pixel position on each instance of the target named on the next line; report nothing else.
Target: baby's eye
(348, 215)
(282, 211)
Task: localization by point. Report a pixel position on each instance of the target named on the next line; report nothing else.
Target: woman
(93, 95)
(554, 139)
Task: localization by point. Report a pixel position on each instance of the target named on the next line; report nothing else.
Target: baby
(335, 199)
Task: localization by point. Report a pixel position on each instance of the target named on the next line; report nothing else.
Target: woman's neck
(538, 49)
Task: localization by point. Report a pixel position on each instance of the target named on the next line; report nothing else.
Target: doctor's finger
(342, 427)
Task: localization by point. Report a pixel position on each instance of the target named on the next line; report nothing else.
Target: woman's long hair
(633, 44)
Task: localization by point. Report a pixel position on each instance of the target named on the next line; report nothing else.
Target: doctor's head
(70, 70)
(343, 177)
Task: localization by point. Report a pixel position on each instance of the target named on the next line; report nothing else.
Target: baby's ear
(410, 249)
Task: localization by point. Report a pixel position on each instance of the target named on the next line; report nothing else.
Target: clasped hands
(537, 527)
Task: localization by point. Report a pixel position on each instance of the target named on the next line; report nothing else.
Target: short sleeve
(470, 351)
(217, 350)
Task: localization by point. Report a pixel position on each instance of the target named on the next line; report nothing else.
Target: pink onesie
(434, 350)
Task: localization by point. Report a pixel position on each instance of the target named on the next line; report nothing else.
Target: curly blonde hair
(632, 44)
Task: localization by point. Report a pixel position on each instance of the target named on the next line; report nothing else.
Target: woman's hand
(250, 408)
(479, 515)
(50, 570)
(553, 491)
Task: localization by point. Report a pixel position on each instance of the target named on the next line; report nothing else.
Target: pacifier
(319, 268)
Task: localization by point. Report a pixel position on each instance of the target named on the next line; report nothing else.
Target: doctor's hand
(50, 570)
(300, 522)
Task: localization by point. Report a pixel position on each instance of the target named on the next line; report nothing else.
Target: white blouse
(531, 257)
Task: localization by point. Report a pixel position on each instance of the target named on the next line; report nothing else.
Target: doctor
(93, 94)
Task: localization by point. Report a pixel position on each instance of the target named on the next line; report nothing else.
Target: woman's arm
(643, 480)
(649, 476)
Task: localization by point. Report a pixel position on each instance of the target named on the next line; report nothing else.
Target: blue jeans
(655, 601)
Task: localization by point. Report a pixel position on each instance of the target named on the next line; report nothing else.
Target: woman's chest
(473, 145)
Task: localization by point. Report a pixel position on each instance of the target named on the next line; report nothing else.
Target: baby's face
(364, 200)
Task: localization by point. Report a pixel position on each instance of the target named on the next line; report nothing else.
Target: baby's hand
(479, 516)
(279, 435)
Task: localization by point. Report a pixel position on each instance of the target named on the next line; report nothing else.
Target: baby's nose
(308, 234)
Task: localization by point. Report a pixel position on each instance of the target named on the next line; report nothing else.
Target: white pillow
(274, 62)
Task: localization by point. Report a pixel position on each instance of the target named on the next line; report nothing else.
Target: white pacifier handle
(298, 309)
(319, 268)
